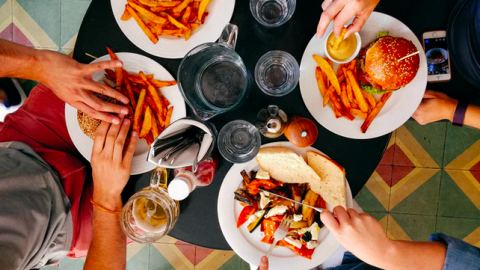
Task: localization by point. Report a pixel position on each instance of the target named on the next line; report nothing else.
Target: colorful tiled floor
(428, 180)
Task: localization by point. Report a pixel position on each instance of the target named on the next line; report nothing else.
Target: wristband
(460, 112)
(104, 209)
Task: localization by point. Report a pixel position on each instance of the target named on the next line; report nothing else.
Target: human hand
(341, 11)
(360, 234)
(111, 162)
(72, 82)
(435, 106)
(263, 263)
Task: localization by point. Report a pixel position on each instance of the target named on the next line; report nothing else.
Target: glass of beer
(150, 213)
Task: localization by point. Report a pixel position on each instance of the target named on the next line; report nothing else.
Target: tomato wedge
(245, 214)
(253, 186)
(269, 226)
(304, 251)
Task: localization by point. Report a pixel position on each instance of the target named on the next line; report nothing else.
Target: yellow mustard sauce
(346, 48)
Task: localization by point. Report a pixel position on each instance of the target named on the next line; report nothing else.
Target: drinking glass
(150, 213)
(272, 13)
(239, 141)
(277, 73)
(212, 77)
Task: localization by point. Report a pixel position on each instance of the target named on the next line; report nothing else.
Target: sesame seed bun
(381, 65)
(88, 124)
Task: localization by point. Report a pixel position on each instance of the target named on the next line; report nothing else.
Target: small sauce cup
(348, 50)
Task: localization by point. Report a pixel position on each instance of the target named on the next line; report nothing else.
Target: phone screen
(437, 56)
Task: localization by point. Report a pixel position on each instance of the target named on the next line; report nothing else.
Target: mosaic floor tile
(72, 13)
(50, 267)
(462, 228)
(375, 195)
(71, 264)
(420, 146)
(33, 27)
(210, 259)
(178, 256)
(6, 20)
(459, 195)
(414, 190)
(462, 148)
(140, 259)
(410, 227)
(387, 158)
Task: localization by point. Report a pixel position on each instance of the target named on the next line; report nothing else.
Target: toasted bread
(332, 186)
(285, 165)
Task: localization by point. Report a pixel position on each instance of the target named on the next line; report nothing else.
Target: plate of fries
(333, 95)
(155, 102)
(170, 29)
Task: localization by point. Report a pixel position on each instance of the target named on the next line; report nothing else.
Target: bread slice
(285, 165)
(332, 186)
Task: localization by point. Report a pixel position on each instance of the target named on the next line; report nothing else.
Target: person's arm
(111, 171)
(69, 80)
(363, 236)
(341, 11)
(437, 106)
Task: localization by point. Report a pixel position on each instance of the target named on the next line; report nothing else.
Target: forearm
(472, 116)
(18, 61)
(108, 247)
(402, 255)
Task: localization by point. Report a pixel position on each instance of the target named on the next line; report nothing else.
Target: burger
(379, 69)
(89, 125)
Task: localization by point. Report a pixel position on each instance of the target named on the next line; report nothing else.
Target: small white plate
(247, 245)
(400, 106)
(132, 63)
(219, 14)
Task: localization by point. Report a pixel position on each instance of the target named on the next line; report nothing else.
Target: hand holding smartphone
(438, 58)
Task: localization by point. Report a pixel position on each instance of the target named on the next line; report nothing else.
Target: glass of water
(239, 141)
(277, 73)
(272, 13)
(212, 76)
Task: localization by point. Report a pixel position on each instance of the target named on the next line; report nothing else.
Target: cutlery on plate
(288, 199)
(280, 233)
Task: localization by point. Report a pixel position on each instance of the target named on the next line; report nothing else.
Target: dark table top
(198, 222)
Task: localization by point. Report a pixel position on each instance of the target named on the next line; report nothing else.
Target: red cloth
(40, 123)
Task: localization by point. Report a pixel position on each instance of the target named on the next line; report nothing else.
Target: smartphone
(438, 58)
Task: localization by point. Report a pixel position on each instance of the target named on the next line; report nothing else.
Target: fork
(280, 233)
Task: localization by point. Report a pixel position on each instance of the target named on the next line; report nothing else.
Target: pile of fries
(166, 18)
(342, 89)
(151, 112)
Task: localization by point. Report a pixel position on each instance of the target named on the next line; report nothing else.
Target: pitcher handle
(229, 35)
(159, 178)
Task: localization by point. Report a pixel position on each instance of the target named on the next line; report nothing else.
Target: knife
(288, 199)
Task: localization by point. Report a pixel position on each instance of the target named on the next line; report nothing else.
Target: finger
(341, 214)
(328, 15)
(111, 138)
(341, 20)
(97, 114)
(120, 142)
(98, 66)
(356, 25)
(127, 158)
(100, 135)
(326, 3)
(263, 263)
(329, 220)
(107, 91)
(104, 106)
(352, 213)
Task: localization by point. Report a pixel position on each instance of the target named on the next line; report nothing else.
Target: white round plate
(219, 14)
(132, 63)
(247, 245)
(399, 107)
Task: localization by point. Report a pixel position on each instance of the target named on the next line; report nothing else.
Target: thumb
(94, 67)
(329, 220)
(263, 263)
